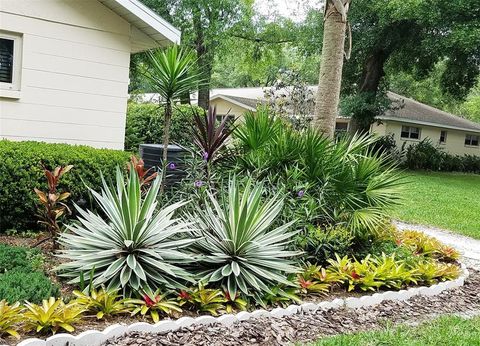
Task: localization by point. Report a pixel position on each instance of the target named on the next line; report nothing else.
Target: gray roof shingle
(416, 111)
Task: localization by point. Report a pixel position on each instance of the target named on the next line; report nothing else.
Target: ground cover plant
(445, 200)
(442, 331)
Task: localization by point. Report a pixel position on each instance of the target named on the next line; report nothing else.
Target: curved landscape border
(96, 338)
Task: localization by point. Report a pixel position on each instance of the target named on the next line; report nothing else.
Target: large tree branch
(258, 39)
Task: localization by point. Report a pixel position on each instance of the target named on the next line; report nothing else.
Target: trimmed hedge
(424, 155)
(20, 172)
(145, 124)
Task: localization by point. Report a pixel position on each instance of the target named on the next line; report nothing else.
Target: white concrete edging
(96, 338)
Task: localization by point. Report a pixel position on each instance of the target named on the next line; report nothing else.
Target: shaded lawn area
(446, 200)
(445, 331)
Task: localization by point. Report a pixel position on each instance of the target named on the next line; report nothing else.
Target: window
(410, 132)
(443, 137)
(10, 61)
(230, 118)
(341, 127)
(472, 140)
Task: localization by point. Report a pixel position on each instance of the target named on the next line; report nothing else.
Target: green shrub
(33, 286)
(318, 245)
(424, 155)
(20, 172)
(145, 125)
(19, 259)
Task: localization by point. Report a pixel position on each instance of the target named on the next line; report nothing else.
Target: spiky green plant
(10, 318)
(135, 247)
(240, 247)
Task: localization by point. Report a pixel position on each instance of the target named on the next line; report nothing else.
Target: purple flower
(300, 193)
(198, 183)
(172, 165)
(205, 156)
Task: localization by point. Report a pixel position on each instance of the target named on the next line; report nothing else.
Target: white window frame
(472, 135)
(11, 89)
(410, 132)
(445, 137)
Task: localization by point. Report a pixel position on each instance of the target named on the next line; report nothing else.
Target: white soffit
(149, 30)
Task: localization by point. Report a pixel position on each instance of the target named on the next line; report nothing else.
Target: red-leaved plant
(209, 137)
(52, 203)
(146, 176)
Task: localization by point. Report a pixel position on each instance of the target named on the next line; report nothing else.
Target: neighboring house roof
(416, 112)
(247, 103)
(407, 110)
(145, 24)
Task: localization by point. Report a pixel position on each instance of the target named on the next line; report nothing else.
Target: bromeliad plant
(239, 247)
(155, 303)
(52, 316)
(102, 302)
(146, 176)
(203, 299)
(137, 246)
(10, 318)
(53, 206)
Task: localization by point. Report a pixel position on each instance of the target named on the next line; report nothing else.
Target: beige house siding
(74, 73)
(223, 107)
(455, 143)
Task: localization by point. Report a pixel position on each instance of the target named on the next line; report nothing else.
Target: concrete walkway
(468, 247)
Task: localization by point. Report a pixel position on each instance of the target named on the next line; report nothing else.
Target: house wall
(74, 73)
(455, 143)
(224, 107)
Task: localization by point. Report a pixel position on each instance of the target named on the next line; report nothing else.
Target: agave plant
(136, 247)
(240, 247)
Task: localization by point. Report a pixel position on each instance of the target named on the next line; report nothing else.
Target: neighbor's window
(10, 60)
(230, 118)
(410, 132)
(443, 137)
(472, 140)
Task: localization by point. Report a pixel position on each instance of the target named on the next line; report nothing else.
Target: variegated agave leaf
(136, 246)
(240, 247)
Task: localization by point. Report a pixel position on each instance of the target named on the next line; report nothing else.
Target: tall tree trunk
(166, 139)
(204, 62)
(373, 72)
(329, 83)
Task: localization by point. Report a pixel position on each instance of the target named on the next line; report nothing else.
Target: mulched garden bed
(309, 327)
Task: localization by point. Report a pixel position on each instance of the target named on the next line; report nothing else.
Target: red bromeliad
(146, 176)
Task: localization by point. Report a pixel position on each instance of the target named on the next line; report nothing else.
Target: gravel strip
(309, 327)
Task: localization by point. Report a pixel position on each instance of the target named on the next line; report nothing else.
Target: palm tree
(171, 73)
(328, 93)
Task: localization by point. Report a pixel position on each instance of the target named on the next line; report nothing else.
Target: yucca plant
(10, 318)
(52, 315)
(136, 247)
(239, 247)
(102, 302)
(171, 73)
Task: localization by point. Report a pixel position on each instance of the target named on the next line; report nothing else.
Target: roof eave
(427, 123)
(155, 31)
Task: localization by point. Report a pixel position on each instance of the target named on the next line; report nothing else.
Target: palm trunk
(166, 139)
(329, 83)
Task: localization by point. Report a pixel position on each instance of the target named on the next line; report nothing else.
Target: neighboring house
(64, 67)
(409, 122)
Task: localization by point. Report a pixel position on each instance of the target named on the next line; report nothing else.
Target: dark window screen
(6, 60)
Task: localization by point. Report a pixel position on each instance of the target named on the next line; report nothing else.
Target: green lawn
(446, 200)
(446, 331)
